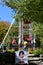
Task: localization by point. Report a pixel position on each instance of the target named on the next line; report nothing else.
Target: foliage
(38, 30)
(13, 33)
(37, 51)
(11, 51)
(31, 51)
(27, 9)
(3, 29)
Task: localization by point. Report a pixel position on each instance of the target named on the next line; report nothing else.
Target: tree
(13, 33)
(27, 9)
(3, 29)
(38, 30)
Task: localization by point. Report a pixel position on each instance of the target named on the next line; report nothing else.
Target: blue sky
(6, 13)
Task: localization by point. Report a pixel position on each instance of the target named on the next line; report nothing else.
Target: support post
(20, 32)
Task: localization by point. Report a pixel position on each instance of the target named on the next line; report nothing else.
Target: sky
(6, 13)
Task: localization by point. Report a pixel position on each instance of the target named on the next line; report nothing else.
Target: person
(21, 55)
(4, 46)
(14, 41)
(25, 45)
(14, 44)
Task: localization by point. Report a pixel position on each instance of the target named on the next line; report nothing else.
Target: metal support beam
(20, 32)
(7, 32)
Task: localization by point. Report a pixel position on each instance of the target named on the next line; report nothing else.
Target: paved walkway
(41, 63)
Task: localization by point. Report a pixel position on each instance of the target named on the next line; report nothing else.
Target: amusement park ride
(25, 35)
(25, 32)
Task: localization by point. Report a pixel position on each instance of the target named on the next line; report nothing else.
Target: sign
(22, 57)
(27, 22)
(26, 27)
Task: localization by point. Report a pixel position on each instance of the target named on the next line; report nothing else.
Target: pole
(20, 32)
(7, 32)
(19, 40)
(34, 41)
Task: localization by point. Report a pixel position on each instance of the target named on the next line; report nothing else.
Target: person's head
(21, 54)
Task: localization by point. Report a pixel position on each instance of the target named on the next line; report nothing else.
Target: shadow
(32, 64)
(7, 58)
